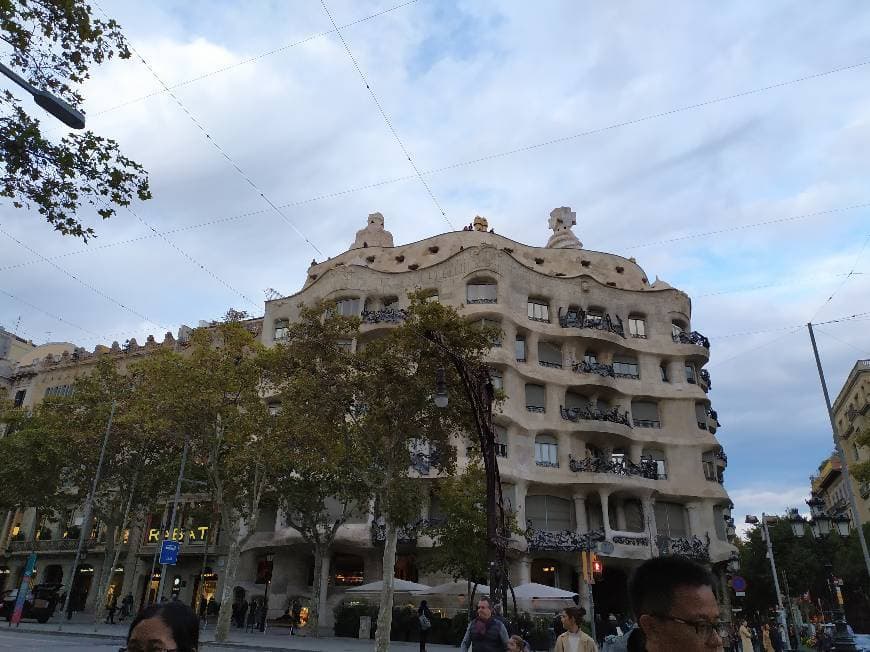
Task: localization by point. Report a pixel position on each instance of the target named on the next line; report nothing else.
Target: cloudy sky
(718, 143)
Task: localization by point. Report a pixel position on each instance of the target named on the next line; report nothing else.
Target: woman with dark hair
(165, 626)
(424, 615)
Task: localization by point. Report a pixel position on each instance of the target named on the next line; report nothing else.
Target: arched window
(539, 310)
(637, 325)
(536, 398)
(282, 327)
(549, 513)
(626, 367)
(348, 570)
(348, 306)
(521, 348)
(544, 571)
(501, 440)
(481, 291)
(645, 414)
(657, 456)
(701, 415)
(546, 451)
(671, 519)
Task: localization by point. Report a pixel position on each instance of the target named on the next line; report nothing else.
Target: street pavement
(80, 634)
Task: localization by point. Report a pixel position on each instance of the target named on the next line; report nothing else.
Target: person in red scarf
(485, 633)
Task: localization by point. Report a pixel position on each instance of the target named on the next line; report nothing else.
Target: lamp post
(51, 103)
(753, 520)
(820, 527)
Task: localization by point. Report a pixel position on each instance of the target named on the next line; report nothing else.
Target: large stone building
(852, 416)
(607, 427)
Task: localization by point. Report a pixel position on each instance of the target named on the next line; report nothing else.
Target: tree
(53, 45)
(319, 484)
(399, 417)
(211, 395)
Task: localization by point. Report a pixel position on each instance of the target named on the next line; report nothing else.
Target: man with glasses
(675, 606)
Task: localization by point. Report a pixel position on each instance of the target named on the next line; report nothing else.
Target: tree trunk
(385, 614)
(316, 590)
(134, 545)
(222, 629)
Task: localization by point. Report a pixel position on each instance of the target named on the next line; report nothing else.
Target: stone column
(520, 489)
(694, 512)
(580, 513)
(635, 452)
(605, 517)
(649, 515)
(525, 570)
(532, 348)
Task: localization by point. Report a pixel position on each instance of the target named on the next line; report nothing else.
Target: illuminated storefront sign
(190, 535)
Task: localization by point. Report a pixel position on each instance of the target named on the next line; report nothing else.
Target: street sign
(740, 594)
(738, 584)
(169, 552)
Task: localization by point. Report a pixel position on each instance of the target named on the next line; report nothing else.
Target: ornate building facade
(607, 431)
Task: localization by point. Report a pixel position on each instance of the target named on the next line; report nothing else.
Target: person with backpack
(424, 615)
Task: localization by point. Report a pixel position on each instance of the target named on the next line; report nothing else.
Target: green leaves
(53, 46)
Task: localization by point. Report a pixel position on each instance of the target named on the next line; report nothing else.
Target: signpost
(23, 590)
(169, 552)
(739, 586)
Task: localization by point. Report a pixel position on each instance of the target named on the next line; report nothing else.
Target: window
(678, 327)
(282, 329)
(645, 414)
(501, 437)
(594, 317)
(626, 367)
(670, 520)
(59, 390)
(719, 517)
(345, 345)
(348, 570)
(496, 378)
(546, 451)
(637, 327)
(481, 292)
(19, 398)
(691, 377)
(543, 571)
(536, 398)
(701, 415)
(539, 310)
(663, 369)
(406, 568)
(591, 357)
(712, 471)
(634, 520)
(521, 348)
(491, 324)
(549, 355)
(574, 401)
(549, 513)
(657, 456)
(348, 307)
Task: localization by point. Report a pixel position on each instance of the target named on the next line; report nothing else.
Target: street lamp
(753, 520)
(842, 524)
(51, 103)
(798, 523)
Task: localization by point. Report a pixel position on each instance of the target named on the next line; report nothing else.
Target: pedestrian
(295, 616)
(111, 609)
(166, 626)
(243, 610)
(766, 643)
(252, 615)
(126, 606)
(202, 611)
(517, 644)
(573, 639)
(485, 633)
(424, 615)
(558, 627)
(745, 637)
(675, 605)
(776, 638)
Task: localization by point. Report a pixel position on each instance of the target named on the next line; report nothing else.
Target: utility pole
(174, 510)
(86, 520)
(51, 103)
(853, 504)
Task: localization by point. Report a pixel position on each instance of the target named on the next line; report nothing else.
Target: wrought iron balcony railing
(482, 300)
(647, 423)
(584, 367)
(385, 316)
(536, 408)
(640, 541)
(704, 375)
(551, 365)
(692, 547)
(612, 415)
(647, 468)
(546, 464)
(582, 319)
(694, 337)
(561, 541)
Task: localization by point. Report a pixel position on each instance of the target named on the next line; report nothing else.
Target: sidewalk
(275, 638)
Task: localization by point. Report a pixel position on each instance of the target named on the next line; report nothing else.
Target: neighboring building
(829, 485)
(607, 427)
(852, 416)
(12, 348)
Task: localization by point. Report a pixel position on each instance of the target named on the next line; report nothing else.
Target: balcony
(549, 365)
(407, 534)
(539, 409)
(646, 469)
(692, 547)
(584, 367)
(582, 319)
(694, 337)
(625, 540)
(481, 300)
(646, 423)
(384, 316)
(561, 541)
(704, 376)
(547, 465)
(50, 545)
(593, 414)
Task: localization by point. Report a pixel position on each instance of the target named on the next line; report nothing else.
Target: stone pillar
(649, 515)
(520, 489)
(621, 524)
(605, 517)
(525, 570)
(694, 512)
(580, 513)
(532, 348)
(635, 452)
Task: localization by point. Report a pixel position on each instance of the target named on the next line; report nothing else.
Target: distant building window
(701, 415)
(539, 310)
(549, 355)
(536, 398)
(670, 519)
(481, 292)
(637, 327)
(501, 437)
(626, 368)
(550, 513)
(546, 451)
(348, 307)
(691, 376)
(348, 570)
(663, 369)
(657, 456)
(594, 317)
(521, 348)
(591, 357)
(19, 398)
(645, 414)
(282, 329)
